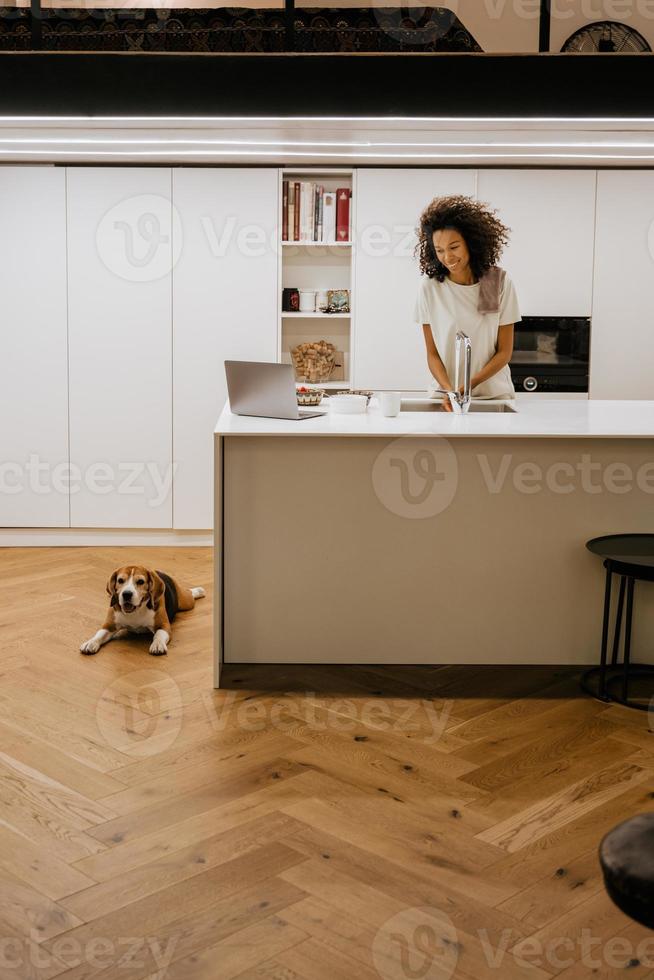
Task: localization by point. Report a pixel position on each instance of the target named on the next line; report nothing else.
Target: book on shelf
(284, 210)
(303, 211)
(296, 214)
(321, 196)
(329, 217)
(343, 195)
(310, 213)
(290, 219)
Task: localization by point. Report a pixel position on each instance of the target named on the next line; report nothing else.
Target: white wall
(120, 340)
(622, 333)
(225, 299)
(33, 359)
(551, 214)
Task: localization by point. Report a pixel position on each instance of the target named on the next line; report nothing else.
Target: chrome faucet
(460, 402)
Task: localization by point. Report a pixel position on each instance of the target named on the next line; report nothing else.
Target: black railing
(235, 29)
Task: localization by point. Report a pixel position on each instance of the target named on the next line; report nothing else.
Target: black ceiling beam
(37, 24)
(544, 25)
(289, 17)
(43, 83)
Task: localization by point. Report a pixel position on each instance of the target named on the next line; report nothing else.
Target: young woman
(459, 242)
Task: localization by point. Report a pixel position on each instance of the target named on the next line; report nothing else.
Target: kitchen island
(429, 538)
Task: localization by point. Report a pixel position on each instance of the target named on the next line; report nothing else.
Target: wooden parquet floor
(326, 823)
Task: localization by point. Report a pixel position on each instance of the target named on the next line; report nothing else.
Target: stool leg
(627, 639)
(618, 621)
(605, 634)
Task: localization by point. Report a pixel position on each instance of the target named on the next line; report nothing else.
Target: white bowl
(348, 404)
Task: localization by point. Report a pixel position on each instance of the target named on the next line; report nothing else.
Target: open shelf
(315, 316)
(319, 266)
(285, 244)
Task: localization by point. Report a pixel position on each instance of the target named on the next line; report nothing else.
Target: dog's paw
(158, 648)
(91, 646)
(198, 592)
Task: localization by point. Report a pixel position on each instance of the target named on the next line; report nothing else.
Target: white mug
(390, 403)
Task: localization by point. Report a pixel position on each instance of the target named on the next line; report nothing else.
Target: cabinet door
(120, 252)
(33, 370)
(225, 301)
(622, 334)
(389, 348)
(551, 214)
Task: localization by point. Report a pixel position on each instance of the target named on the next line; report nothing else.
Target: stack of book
(312, 214)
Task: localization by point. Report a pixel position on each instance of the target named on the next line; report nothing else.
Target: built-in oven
(551, 353)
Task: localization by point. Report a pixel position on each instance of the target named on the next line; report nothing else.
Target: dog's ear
(111, 589)
(156, 589)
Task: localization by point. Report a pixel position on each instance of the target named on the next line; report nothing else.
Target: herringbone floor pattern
(302, 824)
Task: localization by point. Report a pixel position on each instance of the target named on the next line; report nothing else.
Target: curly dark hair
(484, 234)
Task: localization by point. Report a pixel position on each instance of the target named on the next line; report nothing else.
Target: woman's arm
(436, 365)
(501, 357)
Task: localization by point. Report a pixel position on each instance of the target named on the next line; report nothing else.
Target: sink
(492, 407)
(435, 405)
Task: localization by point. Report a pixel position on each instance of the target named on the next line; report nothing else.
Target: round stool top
(627, 859)
(627, 549)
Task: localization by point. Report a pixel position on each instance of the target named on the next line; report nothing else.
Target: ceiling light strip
(382, 119)
(355, 156)
(370, 144)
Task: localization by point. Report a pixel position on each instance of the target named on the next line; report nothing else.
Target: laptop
(264, 389)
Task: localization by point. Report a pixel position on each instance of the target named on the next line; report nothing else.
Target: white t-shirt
(448, 307)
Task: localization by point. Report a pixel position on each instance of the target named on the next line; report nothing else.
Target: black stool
(631, 556)
(627, 860)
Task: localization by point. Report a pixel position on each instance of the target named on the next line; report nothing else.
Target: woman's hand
(447, 401)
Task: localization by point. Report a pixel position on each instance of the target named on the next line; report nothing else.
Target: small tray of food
(309, 396)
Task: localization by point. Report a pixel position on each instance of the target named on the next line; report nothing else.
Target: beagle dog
(142, 601)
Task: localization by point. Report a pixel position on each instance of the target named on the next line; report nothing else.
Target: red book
(284, 210)
(343, 195)
(296, 222)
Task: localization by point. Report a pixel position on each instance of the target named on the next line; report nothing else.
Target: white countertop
(560, 418)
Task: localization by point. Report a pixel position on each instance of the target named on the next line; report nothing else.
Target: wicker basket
(312, 396)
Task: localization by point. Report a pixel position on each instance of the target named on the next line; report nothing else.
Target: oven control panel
(549, 382)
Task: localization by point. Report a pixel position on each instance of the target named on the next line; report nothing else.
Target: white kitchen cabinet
(389, 348)
(33, 369)
(225, 303)
(121, 247)
(551, 214)
(622, 334)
